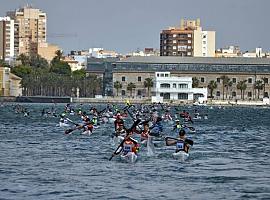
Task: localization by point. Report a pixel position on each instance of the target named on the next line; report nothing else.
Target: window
(249, 94)
(183, 96)
(139, 93)
(182, 85)
(234, 80)
(166, 75)
(165, 85)
(265, 80)
(139, 79)
(174, 41)
(123, 78)
(174, 35)
(174, 53)
(123, 92)
(202, 79)
(157, 75)
(234, 94)
(249, 80)
(174, 47)
(161, 94)
(162, 75)
(189, 41)
(218, 80)
(218, 94)
(174, 85)
(189, 35)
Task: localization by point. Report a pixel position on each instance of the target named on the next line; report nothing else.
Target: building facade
(204, 70)
(10, 84)
(6, 39)
(168, 87)
(30, 29)
(187, 40)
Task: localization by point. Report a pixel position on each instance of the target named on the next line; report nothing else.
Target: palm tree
(59, 54)
(148, 83)
(225, 80)
(195, 82)
(242, 86)
(229, 85)
(258, 85)
(212, 86)
(130, 87)
(117, 85)
(265, 81)
(25, 60)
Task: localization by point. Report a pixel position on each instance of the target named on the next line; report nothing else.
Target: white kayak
(130, 157)
(63, 124)
(181, 155)
(111, 120)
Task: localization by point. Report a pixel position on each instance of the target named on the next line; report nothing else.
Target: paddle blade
(189, 141)
(68, 131)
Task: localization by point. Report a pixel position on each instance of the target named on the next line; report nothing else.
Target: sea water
(230, 159)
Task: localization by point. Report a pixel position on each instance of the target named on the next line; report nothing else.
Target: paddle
(170, 143)
(78, 126)
(119, 148)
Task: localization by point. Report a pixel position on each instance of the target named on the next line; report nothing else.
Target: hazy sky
(126, 25)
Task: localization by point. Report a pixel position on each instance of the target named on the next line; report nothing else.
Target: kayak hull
(130, 157)
(181, 155)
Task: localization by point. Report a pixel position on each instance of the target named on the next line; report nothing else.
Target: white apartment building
(167, 87)
(6, 39)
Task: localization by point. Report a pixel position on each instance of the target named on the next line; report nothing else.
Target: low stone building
(202, 70)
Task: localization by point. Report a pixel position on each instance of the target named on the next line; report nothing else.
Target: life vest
(144, 135)
(180, 145)
(128, 146)
(89, 127)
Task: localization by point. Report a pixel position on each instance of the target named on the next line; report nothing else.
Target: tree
(25, 60)
(61, 67)
(228, 85)
(130, 87)
(3, 63)
(265, 81)
(148, 83)
(242, 86)
(195, 82)
(258, 85)
(21, 71)
(117, 85)
(212, 86)
(38, 62)
(225, 80)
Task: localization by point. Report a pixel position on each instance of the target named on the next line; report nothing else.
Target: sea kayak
(181, 155)
(130, 157)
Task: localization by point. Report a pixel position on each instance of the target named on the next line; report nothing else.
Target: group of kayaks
(147, 124)
(136, 128)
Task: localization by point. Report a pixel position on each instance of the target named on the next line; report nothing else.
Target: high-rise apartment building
(187, 40)
(30, 29)
(6, 39)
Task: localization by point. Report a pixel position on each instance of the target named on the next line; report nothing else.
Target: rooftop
(196, 60)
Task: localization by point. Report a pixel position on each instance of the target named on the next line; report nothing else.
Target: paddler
(130, 145)
(88, 127)
(118, 121)
(177, 125)
(157, 128)
(183, 143)
(145, 132)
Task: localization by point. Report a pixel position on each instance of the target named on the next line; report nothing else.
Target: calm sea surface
(230, 159)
